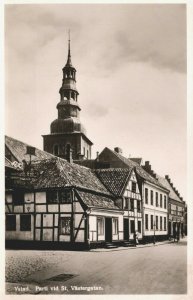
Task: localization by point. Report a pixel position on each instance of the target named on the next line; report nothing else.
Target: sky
(131, 77)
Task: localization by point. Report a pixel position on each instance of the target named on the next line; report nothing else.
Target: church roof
(114, 179)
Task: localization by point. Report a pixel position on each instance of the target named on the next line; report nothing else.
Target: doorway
(126, 229)
(108, 230)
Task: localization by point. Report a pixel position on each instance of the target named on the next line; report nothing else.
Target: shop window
(160, 223)
(151, 222)
(156, 222)
(65, 223)
(18, 197)
(151, 197)
(132, 226)
(100, 226)
(10, 222)
(165, 223)
(115, 226)
(25, 222)
(146, 195)
(132, 204)
(146, 222)
(133, 187)
(139, 226)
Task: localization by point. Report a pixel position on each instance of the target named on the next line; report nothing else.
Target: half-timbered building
(122, 183)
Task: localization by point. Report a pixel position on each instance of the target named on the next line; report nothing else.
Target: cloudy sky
(131, 76)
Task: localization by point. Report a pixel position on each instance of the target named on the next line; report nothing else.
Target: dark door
(108, 229)
(126, 229)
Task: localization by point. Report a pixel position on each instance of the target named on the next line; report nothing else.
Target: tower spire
(69, 62)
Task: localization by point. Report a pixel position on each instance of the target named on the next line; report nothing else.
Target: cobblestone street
(159, 269)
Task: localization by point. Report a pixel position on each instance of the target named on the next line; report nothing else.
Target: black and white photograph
(95, 144)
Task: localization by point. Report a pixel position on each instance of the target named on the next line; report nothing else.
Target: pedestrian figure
(136, 241)
(174, 235)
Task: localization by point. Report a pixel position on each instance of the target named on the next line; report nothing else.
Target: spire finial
(69, 63)
(69, 43)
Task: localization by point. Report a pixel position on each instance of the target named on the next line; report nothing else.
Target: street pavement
(151, 269)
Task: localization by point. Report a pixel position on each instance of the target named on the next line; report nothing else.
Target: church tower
(67, 132)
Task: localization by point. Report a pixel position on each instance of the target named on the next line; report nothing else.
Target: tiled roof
(172, 193)
(127, 161)
(114, 179)
(140, 171)
(137, 160)
(98, 201)
(18, 149)
(57, 172)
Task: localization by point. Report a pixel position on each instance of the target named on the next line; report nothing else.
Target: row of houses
(53, 202)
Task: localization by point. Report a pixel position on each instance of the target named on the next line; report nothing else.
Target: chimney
(118, 150)
(69, 153)
(97, 155)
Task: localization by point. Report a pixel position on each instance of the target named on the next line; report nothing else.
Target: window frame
(9, 225)
(115, 226)
(133, 187)
(151, 193)
(61, 227)
(146, 195)
(99, 231)
(146, 222)
(132, 204)
(25, 227)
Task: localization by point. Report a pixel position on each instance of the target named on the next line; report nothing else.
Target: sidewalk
(138, 246)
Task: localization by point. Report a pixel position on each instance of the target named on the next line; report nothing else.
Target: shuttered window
(25, 222)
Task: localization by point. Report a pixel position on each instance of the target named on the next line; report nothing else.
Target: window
(165, 205)
(115, 226)
(160, 200)
(100, 226)
(10, 222)
(132, 226)
(18, 197)
(151, 197)
(164, 223)
(160, 223)
(146, 195)
(52, 196)
(146, 222)
(151, 222)
(132, 204)
(65, 223)
(169, 209)
(133, 187)
(157, 222)
(56, 150)
(138, 205)
(64, 196)
(139, 226)
(25, 222)
(156, 198)
(126, 203)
